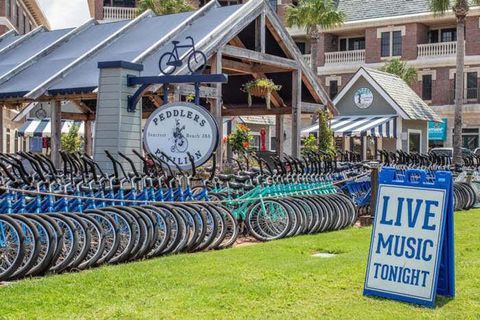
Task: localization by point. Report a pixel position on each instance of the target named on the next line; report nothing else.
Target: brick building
(375, 31)
(21, 16)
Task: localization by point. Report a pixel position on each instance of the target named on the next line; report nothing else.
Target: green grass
(276, 280)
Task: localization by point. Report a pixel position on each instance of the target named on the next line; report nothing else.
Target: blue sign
(437, 130)
(411, 250)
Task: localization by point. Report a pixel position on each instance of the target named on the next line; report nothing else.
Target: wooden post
(2, 128)
(296, 111)
(56, 125)
(279, 133)
(216, 107)
(88, 137)
(260, 33)
(374, 181)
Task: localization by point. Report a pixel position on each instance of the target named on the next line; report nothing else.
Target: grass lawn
(276, 280)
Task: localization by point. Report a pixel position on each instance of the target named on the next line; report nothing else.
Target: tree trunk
(459, 87)
(314, 39)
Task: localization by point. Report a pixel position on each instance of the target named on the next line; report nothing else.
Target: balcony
(119, 13)
(351, 56)
(440, 49)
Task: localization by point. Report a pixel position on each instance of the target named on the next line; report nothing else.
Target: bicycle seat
(225, 177)
(236, 186)
(241, 178)
(248, 173)
(175, 42)
(248, 187)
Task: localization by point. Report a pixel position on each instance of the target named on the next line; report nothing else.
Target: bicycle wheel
(47, 244)
(197, 61)
(162, 63)
(31, 243)
(125, 223)
(232, 229)
(97, 242)
(70, 242)
(12, 247)
(110, 230)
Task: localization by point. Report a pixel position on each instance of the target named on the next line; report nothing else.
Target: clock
(363, 98)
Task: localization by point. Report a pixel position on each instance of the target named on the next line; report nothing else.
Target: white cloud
(65, 13)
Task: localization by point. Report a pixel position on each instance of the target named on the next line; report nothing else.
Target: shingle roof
(403, 95)
(356, 10)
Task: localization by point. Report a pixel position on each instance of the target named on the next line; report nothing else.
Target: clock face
(363, 98)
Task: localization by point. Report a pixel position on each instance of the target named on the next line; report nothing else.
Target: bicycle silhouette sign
(170, 61)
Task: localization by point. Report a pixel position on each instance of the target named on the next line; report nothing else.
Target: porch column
(279, 133)
(296, 111)
(2, 128)
(88, 137)
(56, 130)
(216, 106)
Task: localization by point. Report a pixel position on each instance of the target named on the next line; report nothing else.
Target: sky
(65, 13)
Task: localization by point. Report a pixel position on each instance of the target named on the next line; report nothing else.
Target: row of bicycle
(35, 244)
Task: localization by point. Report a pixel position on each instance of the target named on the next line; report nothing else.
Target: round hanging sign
(179, 128)
(363, 98)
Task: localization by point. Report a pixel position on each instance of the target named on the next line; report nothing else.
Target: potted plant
(240, 139)
(260, 88)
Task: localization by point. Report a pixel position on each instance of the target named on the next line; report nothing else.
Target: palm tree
(460, 9)
(401, 69)
(161, 7)
(312, 15)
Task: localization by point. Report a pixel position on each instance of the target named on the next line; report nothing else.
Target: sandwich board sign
(411, 249)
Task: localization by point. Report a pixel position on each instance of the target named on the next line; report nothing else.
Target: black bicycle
(170, 61)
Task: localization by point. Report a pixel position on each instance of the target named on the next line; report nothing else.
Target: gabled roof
(396, 92)
(356, 10)
(68, 62)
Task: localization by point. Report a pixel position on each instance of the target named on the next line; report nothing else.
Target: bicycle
(170, 61)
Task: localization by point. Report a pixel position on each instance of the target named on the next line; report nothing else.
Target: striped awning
(381, 126)
(43, 128)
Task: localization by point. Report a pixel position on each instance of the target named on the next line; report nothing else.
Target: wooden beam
(296, 111)
(279, 130)
(249, 68)
(82, 106)
(205, 92)
(308, 107)
(56, 127)
(260, 33)
(216, 105)
(264, 58)
(88, 137)
(77, 116)
(258, 110)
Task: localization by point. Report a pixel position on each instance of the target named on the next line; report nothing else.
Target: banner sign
(411, 250)
(179, 128)
(437, 130)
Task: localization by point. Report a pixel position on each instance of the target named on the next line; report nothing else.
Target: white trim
(425, 72)
(408, 139)
(363, 73)
(333, 78)
(22, 38)
(6, 22)
(391, 29)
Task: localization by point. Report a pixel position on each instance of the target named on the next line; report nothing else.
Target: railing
(119, 13)
(307, 58)
(344, 56)
(437, 49)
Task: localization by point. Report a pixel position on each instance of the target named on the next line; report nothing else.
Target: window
(414, 140)
(351, 44)
(333, 88)
(449, 35)
(391, 44)
(470, 138)
(385, 44)
(301, 47)
(273, 143)
(472, 85)
(25, 21)
(16, 140)
(427, 87)
(255, 143)
(8, 8)
(433, 36)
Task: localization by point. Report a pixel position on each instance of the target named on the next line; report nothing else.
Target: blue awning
(380, 126)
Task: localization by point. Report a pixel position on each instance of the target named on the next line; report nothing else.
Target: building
(22, 16)
(17, 18)
(376, 31)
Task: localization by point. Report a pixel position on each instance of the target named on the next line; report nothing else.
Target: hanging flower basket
(262, 88)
